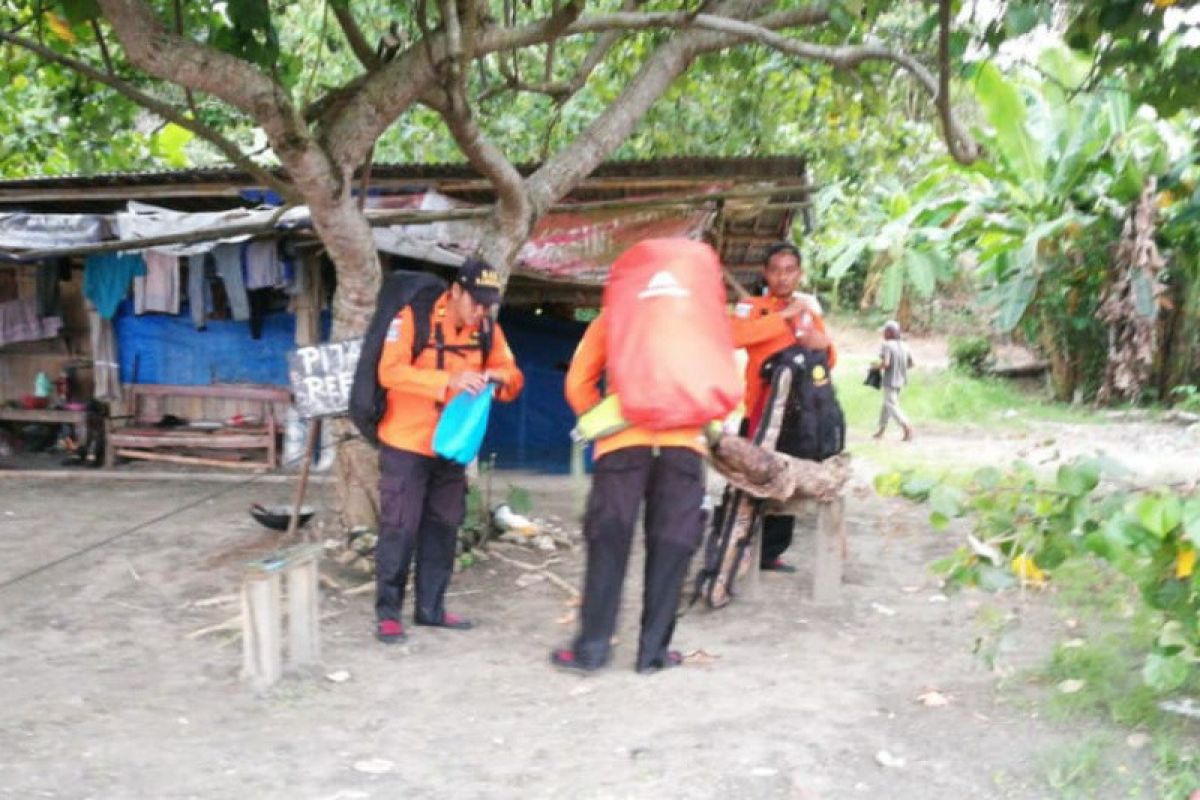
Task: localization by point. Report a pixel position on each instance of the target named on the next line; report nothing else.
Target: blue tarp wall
(533, 431)
(530, 433)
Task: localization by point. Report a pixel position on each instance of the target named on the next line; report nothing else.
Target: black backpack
(401, 288)
(813, 427)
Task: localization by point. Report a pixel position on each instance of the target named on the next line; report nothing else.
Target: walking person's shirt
(895, 355)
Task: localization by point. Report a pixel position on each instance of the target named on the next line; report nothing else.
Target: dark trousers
(776, 538)
(422, 501)
(776, 531)
(671, 483)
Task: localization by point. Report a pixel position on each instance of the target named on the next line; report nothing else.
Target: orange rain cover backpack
(670, 344)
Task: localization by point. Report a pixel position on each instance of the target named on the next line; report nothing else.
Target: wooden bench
(138, 433)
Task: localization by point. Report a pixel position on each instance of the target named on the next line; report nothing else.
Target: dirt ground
(107, 692)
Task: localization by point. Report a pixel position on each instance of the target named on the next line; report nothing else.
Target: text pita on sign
(321, 377)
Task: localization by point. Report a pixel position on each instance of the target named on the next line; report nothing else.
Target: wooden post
(261, 656)
(304, 642)
(310, 444)
(262, 618)
(752, 575)
(829, 550)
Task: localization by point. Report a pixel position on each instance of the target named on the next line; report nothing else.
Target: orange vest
(418, 390)
(583, 392)
(758, 327)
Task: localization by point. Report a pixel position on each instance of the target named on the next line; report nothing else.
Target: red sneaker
(778, 565)
(565, 659)
(674, 659)
(390, 631)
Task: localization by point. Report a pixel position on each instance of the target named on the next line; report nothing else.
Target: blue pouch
(460, 430)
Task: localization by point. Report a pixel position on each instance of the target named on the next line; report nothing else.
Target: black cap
(481, 281)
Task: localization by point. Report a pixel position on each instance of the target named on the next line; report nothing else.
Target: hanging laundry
(49, 299)
(200, 298)
(228, 258)
(105, 369)
(20, 322)
(106, 278)
(158, 290)
(264, 269)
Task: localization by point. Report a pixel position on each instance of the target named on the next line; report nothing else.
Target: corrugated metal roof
(749, 166)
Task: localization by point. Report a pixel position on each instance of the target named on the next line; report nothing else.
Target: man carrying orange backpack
(662, 344)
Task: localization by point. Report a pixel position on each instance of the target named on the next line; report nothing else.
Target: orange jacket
(583, 392)
(758, 327)
(417, 390)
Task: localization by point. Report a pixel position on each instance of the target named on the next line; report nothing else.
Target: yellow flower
(1024, 568)
(1185, 563)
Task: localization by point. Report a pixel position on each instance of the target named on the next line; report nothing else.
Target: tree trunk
(349, 242)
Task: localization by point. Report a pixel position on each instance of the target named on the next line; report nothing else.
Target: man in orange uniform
(664, 468)
(422, 497)
(765, 325)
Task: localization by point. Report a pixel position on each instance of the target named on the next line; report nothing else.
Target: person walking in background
(894, 362)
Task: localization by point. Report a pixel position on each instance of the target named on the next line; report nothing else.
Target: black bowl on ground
(277, 517)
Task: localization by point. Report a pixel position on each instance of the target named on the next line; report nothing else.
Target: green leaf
(1016, 296)
(1191, 520)
(170, 143)
(986, 478)
(847, 256)
(1158, 514)
(922, 272)
(1078, 479)
(918, 487)
(995, 579)
(1164, 673)
(891, 288)
(77, 11)
(887, 484)
(1005, 112)
(945, 501)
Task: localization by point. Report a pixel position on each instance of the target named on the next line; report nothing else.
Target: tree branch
(162, 109)
(354, 35)
(192, 65)
(962, 146)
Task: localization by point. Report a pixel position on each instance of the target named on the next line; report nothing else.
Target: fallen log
(766, 474)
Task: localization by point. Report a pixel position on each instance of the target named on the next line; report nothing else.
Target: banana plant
(904, 240)
(1064, 162)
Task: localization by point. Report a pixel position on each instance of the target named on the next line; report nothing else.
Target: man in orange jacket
(666, 470)
(422, 497)
(781, 318)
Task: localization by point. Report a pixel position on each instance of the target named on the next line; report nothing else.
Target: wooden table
(53, 416)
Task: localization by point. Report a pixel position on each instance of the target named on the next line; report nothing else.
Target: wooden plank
(828, 554)
(221, 390)
(263, 632)
(147, 455)
(304, 637)
(200, 439)
(60, 416)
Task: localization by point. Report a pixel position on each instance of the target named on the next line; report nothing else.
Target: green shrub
(970, 354)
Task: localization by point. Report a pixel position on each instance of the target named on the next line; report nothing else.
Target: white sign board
(321, 377)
